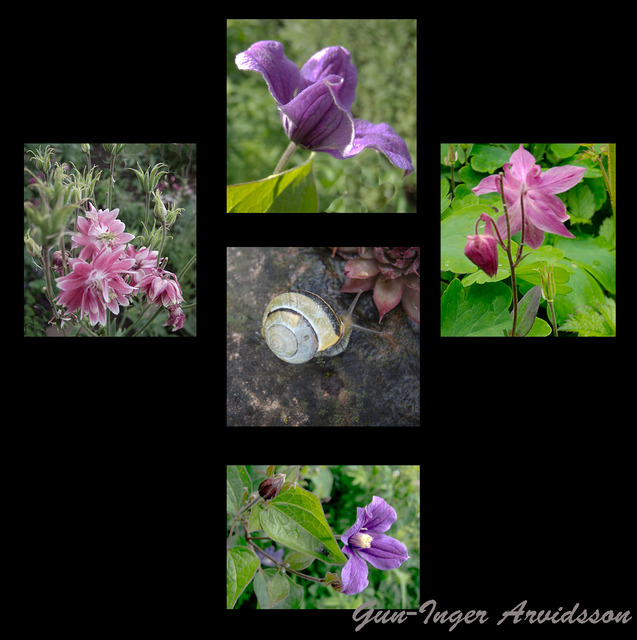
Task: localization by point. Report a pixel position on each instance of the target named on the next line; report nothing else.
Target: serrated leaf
(293, 191)
(241, 565)
(590, 322)
(295, 518)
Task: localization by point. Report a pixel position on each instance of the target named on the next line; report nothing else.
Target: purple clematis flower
(319, 118)
(543, 211)
(364, 541)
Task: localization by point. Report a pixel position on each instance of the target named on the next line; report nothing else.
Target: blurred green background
(384, 52)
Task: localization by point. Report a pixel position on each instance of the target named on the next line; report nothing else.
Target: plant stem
(111, 181)
(46, 266)
(147, 209)
(140, 331)
(163, 240)
(510, 258)
(550, 304)
(284, 158)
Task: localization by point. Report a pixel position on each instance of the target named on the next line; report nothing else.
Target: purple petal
(317, 120)
(354, 574)
(486, 185)
(385, 552)
(560, 179)
(383, 138)
(327, 62)
(267, 58)
(521, 165)
(378, 516)
(546, 212)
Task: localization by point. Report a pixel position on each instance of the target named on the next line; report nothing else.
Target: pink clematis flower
(98, 230)
(543, 211)
(97, 286)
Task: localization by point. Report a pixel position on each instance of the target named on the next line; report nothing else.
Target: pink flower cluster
(109, 271)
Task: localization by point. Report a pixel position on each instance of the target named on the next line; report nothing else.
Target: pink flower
(176, 318)
(482, 249)
(145, 262)
(161, 289)
(98, 230)
(543, 211)
(98, 286)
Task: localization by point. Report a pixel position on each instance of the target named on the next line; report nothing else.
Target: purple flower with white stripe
(365, 542)
(319, 117)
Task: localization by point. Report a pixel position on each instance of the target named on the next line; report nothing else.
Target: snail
(298, 325)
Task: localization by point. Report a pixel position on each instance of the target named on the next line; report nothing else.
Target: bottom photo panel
(323, 537)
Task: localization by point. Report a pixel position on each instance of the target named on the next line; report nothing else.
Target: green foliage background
(384, 52)
(341, 489)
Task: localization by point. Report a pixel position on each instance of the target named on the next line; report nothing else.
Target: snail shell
(299, 325)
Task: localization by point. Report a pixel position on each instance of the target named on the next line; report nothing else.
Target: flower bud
(482, 249)
(33, 248)
(114, 148)
(549, 289)
(271, 487)
(160, 209)
(171, 215)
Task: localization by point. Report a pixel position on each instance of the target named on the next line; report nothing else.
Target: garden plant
(99, 278)
(283, 548)
(317, 104)
(528, 237)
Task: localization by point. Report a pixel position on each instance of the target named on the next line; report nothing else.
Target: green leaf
(275, 590)
(564, 150)
(454, 231)
(445, 201)
(295, 518)
(581, 202)
(585, 290)
(593, 254)
(271, 587)
(293, 191)
(540, 329)
(590, 322)
(612, 171)
(236, 479)
(480, 310)
(241, 565)
(487, 158)
(527, 310)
